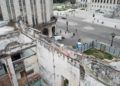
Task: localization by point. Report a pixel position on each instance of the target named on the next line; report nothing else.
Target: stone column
(48, 9)
(23, 10)
(29, 12)
(4, 10)
(11, 11)
(102, 1)
(50, 31)
(39, 11)
(109, 1)
(112, 1)
(17, 8)
(106, 2)
(116, 1)
(33, 11)
(11, 71)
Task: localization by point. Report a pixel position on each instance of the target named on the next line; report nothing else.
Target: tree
(116, 11)
(59, 1)
(72, 1)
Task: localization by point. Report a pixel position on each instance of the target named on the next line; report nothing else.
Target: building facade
(32, 12)
(105, 5)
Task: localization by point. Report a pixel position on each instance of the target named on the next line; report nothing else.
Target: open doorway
(65, 82)
(45, 31)
(53, 30)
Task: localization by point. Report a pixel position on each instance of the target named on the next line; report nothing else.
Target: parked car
(58, 37)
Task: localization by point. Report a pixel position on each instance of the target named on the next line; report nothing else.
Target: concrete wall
(55, 66)
(32, 64)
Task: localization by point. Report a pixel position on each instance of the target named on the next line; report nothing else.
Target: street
(87, 32)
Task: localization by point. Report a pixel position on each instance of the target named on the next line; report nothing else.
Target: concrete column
(112, 1)
(17, 8)
(4, 10)
(33, 11)
(11, 11)
(39, 11)
(51, 7)
(106, 2)
(29, 12)
(23, 10)
(11, 71)
(50, 31)
(116, 1)
(109, 1)
(48, 9)
(102, 1)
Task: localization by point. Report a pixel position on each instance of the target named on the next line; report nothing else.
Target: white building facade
(31, 11)
(106, 5)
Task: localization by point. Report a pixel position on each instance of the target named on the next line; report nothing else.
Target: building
(104, 5)
(29, 58)
(36, 13)
(100, 5)
(18, 60)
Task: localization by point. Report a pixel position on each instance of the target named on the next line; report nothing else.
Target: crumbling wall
(54, 65)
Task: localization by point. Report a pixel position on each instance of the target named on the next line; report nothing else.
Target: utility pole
(67, 23)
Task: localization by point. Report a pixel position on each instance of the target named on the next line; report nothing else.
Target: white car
(57, 37)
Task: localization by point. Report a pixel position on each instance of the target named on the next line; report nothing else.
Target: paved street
(87, 31)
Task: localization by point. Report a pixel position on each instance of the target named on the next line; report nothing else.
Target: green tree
(72, 1)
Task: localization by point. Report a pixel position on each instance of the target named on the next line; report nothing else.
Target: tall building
(32, 12)
(107, 5)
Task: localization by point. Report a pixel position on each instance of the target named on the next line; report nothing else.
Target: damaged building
(30, 57)
(34, 13)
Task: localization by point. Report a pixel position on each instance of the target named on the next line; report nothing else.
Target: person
(60, 31)
(76, 30)
(73, 34)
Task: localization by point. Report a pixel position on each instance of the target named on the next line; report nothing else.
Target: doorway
(64, 82)
(53, 30)
(45, 31)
